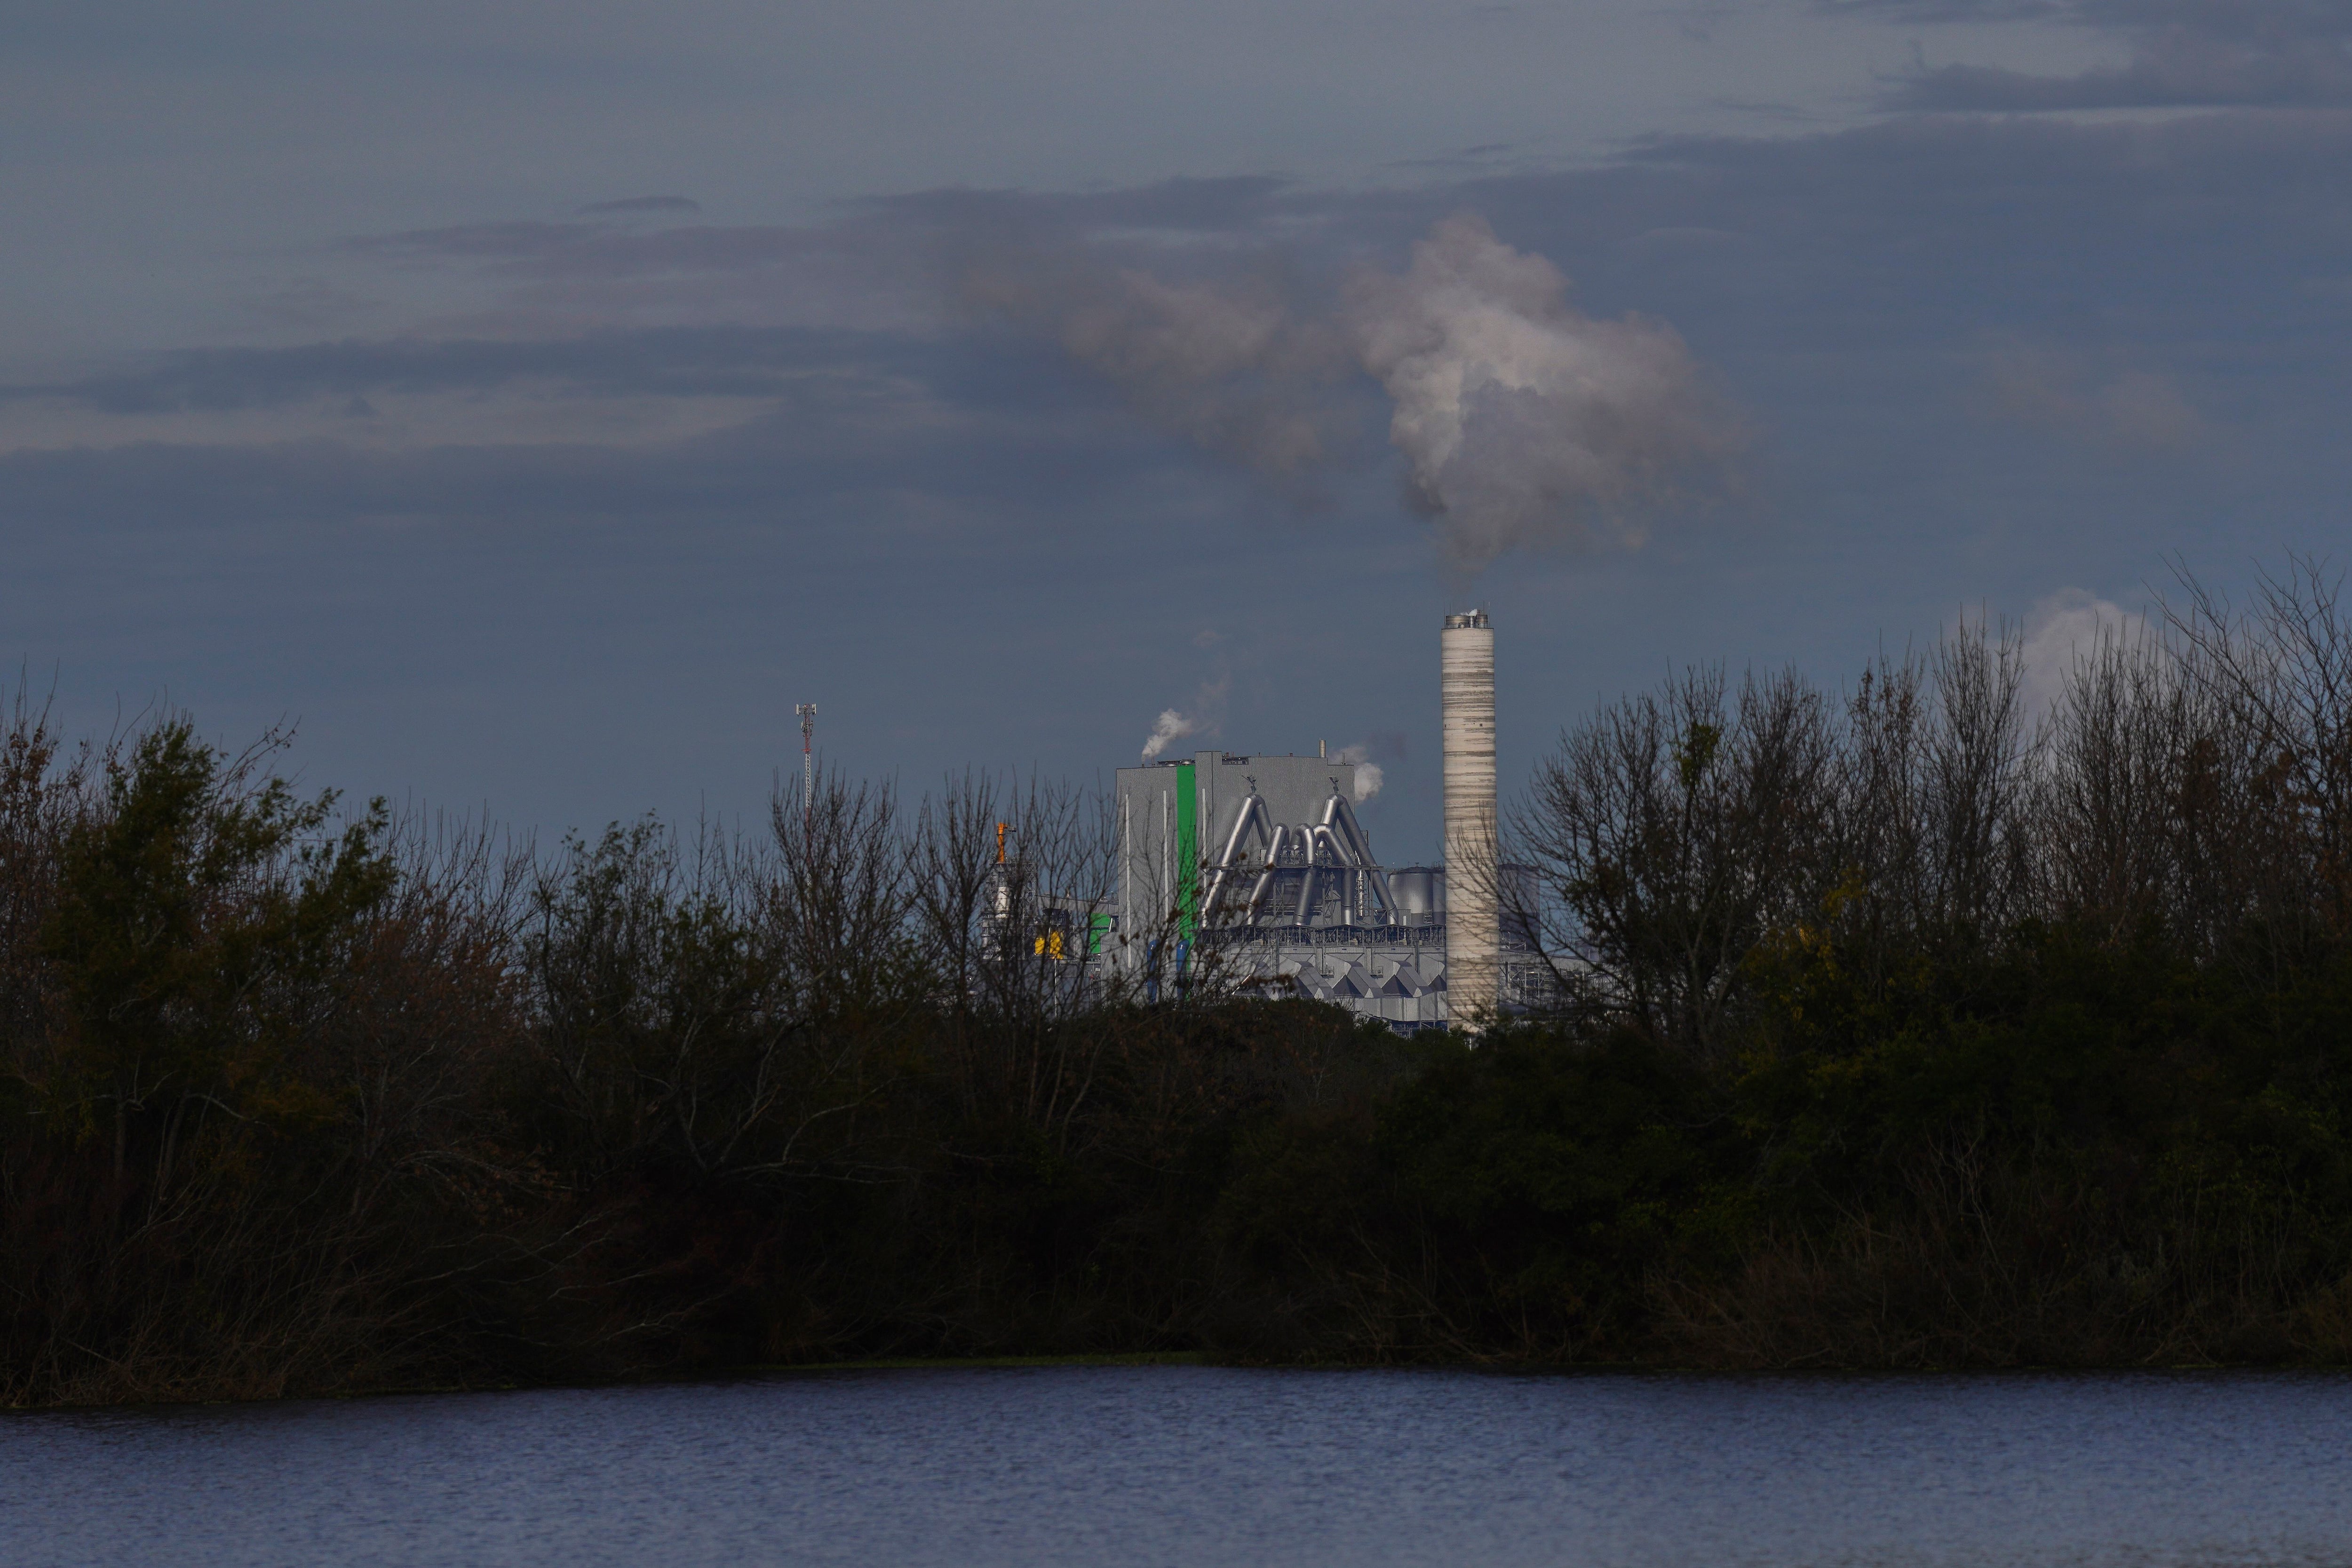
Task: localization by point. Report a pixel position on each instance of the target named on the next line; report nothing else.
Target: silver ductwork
(1292, 899)
(1333, 852)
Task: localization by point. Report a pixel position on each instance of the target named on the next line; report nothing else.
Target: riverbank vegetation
(1914, 1024)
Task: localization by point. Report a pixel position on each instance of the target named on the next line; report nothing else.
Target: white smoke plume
(1206, 716)
(1172, 726)
(1522, 422)
(1369, 777)
(1525, 422)
(1230, 363)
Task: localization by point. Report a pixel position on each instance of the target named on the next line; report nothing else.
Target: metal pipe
(1342, 857)
(1314, 834)
(1252, 808)
(1322, 834)
(1343, 854)
(1266, 879)
(1378, 878)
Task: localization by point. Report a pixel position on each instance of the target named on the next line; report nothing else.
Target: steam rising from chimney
(1230, 363)
(1369, 777)
(1522, 422)
(1172, 726)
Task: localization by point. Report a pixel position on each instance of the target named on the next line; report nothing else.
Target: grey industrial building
(1251, 873)
(1255, 870)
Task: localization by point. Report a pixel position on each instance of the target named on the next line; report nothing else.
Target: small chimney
(1474, 925)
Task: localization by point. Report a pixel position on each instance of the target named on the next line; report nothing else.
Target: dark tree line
(2190, 783)
(1894, 1026)
(2033, 1028)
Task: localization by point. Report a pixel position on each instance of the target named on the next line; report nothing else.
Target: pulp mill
(1254, 868)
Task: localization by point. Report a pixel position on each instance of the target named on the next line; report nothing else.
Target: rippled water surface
(1205, 1466)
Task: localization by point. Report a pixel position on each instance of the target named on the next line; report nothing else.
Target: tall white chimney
(1474, 925)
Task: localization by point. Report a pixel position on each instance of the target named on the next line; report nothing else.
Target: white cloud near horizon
(2064, 630)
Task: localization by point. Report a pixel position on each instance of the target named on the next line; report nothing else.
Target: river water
(1183, 1466)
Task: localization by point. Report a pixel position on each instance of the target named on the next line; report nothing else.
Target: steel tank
(1420, 893)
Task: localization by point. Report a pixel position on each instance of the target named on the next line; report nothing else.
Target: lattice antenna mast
(807, 712)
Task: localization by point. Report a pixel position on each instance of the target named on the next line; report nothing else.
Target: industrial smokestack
(1473, 924)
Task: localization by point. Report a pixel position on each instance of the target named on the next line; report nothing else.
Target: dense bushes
(1907, 1028)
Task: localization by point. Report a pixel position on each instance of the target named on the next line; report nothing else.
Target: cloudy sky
(534, 401)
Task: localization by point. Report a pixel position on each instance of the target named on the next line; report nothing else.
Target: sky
(529, 403)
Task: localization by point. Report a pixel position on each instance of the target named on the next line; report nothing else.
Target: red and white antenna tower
(807, 712)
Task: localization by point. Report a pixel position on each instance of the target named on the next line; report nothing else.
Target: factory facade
(1251, 873)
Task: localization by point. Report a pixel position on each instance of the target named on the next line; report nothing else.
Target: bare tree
(1670, 835)
(2118, 747)
(2270, 784)
(1014, 885)
(1976, 768)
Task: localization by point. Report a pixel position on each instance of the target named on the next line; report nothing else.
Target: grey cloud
(2249, 20)
(1946, 11)
(696, 361)
(903, 420)
(897, 261)
(867, 269)
(2237, 17)
(1915, 232)
(310, 303)
(1223, 203)
(1872, 244)
(2055, 391)
(541, 249)
(1893, 250)
(2184, 54)
(645, 204)
(1922, 232)
(2176, 68)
